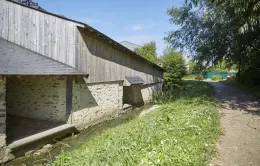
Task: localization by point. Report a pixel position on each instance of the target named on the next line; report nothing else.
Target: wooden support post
(69, 80)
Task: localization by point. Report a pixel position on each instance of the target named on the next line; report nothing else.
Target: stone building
(57, 74)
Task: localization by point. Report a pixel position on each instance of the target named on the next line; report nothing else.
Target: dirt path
(240, 119)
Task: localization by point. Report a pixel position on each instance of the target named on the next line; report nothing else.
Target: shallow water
(75, 141)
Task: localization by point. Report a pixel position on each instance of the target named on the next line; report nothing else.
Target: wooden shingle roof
(16, 60)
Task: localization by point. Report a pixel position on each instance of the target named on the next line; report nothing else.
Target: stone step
(36, 141)
(126, 108)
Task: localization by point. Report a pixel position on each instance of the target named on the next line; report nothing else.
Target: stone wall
(149, 90)
(39, 97)
(4, 151)
(2, 119)
(94, 103)
(2, 112)
(140, 94)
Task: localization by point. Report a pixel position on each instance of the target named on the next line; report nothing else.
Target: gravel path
(240, 119)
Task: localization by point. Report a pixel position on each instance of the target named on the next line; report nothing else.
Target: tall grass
(183, 131)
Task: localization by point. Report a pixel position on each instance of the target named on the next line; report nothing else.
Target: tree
(148, 51)
(222, 66)
(218, 30)
(174, 64)
(196, 68)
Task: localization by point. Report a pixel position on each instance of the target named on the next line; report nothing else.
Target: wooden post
(239, 72)
(69, 80)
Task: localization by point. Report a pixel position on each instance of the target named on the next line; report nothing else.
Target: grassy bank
(254, 90)
(183, 131)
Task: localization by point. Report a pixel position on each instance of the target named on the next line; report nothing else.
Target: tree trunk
(239, 72)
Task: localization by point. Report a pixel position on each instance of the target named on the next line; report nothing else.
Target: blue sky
(137, 21)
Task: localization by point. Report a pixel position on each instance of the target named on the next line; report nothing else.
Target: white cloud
(137, 27)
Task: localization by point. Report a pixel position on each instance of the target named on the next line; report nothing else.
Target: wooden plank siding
(40, 32)
(105, 63)
(68, 42)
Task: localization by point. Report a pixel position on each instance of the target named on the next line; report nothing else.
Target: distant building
(129, 45)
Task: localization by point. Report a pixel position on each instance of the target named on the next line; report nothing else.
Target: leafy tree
(222, 66)
(196, 68)
(148, 51)
(174, 64)
(218, 30)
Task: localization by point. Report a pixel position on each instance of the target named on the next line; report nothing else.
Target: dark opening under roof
(16, 60)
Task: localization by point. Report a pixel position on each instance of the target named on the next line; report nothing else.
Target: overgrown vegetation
(182, 131)
(174, 64)
(220, 30)
(216, 78)
(148, 51)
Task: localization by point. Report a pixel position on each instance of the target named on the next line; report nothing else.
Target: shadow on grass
(233, 98)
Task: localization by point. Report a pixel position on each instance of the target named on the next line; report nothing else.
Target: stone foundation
(4, 151)
(140, 94)
(40, 97)
(2, 112)
(149, 90)
(66, 100)
(94, 103)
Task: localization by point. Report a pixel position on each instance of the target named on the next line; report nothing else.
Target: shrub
(250, 76)
(189, 77)
(216, 78)
(168, 95)
(199, 77)
(174, 64)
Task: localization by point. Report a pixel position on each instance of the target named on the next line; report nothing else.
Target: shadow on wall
(34, 104)
(82, 97)
(133, 95)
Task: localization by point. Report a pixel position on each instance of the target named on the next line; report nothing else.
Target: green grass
(254, 90)
(216, 78)
(182, 131)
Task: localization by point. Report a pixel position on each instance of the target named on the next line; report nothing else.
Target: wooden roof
(16, 60)
(99, 35)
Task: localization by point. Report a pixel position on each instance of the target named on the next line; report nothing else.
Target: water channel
(74, 141)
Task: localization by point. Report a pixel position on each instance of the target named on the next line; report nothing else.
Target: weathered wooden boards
(105, 63)
(40, 32)
(65, 41)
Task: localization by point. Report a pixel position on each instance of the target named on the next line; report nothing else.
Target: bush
(174, 64)
(189, 77)
(199, 77)
(168, 95)
(216, 78)
(250, 76)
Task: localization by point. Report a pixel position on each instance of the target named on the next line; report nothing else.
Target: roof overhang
(133, 80)
(102, 37)
(95, 33)
(16, 60)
